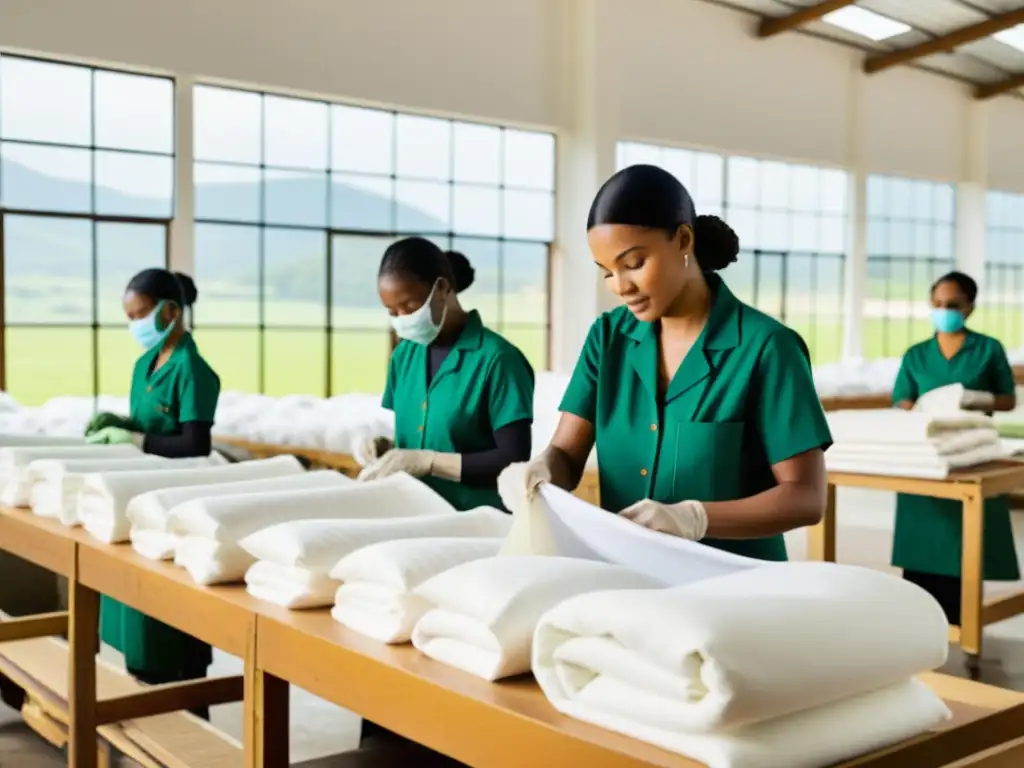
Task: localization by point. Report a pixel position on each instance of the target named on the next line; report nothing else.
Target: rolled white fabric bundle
(486, 610)
(14, 461)
(154, 545)
(55, 483)
(39, 441)
(104, 497)
(376, 594)
(739, 649)
(290, 587)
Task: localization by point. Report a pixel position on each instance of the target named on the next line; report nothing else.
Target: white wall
(1006, 145)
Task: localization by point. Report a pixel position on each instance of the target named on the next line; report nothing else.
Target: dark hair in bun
(651, 197)
(421, 260)
(164, 285)
(967, 285)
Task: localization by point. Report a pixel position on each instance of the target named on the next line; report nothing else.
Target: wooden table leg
(266, 715)
(83, 645)
(972, 579)
(821, 538)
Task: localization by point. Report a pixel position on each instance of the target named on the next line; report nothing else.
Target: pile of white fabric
(104, 497)
(377, 596)
(799, 664)
(149, 513)
(211, 529)
(911, 443)
(295, 560)
(954, 398)
(15, 482)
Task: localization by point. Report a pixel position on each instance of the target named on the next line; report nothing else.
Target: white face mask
(419, 326)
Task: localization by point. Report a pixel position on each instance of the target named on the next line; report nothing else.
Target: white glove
(687, 519)
(519, 482)
(370, 448)
(415, 463)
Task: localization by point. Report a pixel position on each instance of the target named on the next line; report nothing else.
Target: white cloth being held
(376, 597)
(953, 398)
(486, 610)
(687, 519)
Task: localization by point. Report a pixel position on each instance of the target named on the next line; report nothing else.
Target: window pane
(833, 191)
(362, 202)
(234, 353)
(294, 197)
(134, 112)
(774, 186)
(710, 178)
(424, 146)
(42, 101)
(532, 341)
(524, 283)
(116, 353)
(485, 293)
(806, 192)
(227, 275)
(743, 181)
(227, 192)
(477, 211)
(295, 362)
(359, 361)
(423, 206)
(47, 270)
(529, 215)
(681, 163)
(227, 125)
(43, 363)
(631, 153)
(478, 153)
(354, 299)
(295, 277)
(529, 160)
(46, 178)
(295, 133)
(134, 185)
(122, 251)
(362, 140)
(769, 284)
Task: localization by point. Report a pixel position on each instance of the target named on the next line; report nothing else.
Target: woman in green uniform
(927, 543)
(462, 394)
(703, 409)
(173, 399)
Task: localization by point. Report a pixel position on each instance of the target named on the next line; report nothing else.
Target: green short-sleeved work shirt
(485, 384)
(183, 389)
(929, 532)
(742, 400)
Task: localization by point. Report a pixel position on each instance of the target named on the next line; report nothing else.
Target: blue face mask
(146, 331)
(947, 320)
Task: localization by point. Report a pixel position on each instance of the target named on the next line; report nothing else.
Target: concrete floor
(320, 730)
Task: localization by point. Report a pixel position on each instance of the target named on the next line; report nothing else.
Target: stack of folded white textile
(55, 483)
(798, 664)
(486, 610)
(15, 485)
(104, 497)
(211, 528)
(149, 513)
(909, 443)
(295, 560)
(376, 597)
(953, 398)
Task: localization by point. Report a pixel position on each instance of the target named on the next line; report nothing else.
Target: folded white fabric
(26, 441)
(738, 649)
(953, 398)
(376, 598)
(892, 461)
(486, 610)
(154, 545)
(15, 486)
(555, 522)
(104, 497)
(210, 562)
(894, 425)
(55, 483)
(290, 587)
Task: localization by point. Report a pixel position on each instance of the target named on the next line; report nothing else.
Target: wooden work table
(970, 487)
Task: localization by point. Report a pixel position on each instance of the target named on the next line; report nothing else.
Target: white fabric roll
(737, 649)
(103, 500)
(894, 425)
(231, 518)
(55, 483)
(293, 588)
(486, 610)
(38, 441)
(894, 462)
(376, 599)
(14, 483)
(209, 562)
(154, 545)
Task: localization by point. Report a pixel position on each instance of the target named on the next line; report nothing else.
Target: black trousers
(194, 668)
(945, 590)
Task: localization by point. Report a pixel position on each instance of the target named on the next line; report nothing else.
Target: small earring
(686, 261)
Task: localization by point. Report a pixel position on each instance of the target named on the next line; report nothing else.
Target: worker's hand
(103, 420)
(369, 449)
(415, 463)
(521, 480)
(115, 436)
(975, 400)
(687, 519)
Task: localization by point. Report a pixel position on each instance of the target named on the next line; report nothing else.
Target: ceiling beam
(944, 43)
(775, 25)
(989, 90)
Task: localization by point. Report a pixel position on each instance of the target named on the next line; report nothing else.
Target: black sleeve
(513, 443)
(194, 440)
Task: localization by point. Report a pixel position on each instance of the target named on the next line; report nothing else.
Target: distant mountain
(295, 260)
